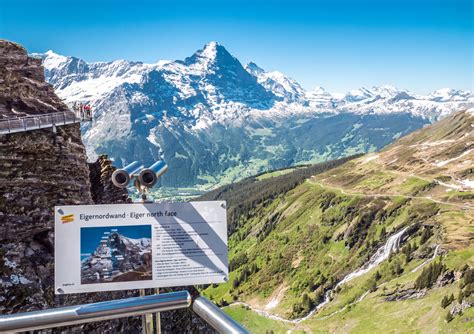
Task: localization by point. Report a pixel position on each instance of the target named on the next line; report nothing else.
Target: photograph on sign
(134, 246)
(116, 254)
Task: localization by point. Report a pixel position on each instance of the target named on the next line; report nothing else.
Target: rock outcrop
(102, 190)
(445, 278)
(459, 308)
(404, 294)
(23, 89)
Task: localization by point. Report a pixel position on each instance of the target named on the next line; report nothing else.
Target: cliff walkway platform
(41, 121)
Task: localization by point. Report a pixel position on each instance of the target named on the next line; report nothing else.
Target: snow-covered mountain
(215, 120)
(280, 85)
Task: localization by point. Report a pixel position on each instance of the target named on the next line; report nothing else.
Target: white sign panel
(136, 246)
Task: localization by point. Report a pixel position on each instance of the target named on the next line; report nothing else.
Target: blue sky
(420, 45)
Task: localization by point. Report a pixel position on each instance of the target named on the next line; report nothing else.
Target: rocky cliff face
(38, 170)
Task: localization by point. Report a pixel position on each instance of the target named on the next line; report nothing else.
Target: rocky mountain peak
(211, 48)
(319, 91)
(254, 69)
(52, 60)
(211, 54)
(386, 91)
(448, 94)
(361, 92)
(178, 110)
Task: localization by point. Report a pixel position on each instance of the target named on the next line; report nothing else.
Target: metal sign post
(151, 323)
(158, 316)
(147, 319)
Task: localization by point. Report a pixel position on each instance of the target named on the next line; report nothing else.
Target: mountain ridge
(215, 121)
(214, 54)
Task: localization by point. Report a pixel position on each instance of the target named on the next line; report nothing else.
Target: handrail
(40, 115)
(73, 315)
(39, 121)
(215, 317)
(79, 314)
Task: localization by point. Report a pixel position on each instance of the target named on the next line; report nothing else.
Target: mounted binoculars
(135, 174)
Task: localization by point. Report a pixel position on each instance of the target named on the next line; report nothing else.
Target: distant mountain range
(216, 121)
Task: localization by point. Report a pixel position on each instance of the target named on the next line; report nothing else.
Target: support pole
(147, 318)
(158, 315)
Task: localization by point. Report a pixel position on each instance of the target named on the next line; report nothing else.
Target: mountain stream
(392, 245)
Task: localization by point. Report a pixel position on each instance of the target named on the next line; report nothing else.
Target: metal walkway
(35, 122)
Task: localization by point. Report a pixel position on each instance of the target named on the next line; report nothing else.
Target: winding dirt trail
(350, 193)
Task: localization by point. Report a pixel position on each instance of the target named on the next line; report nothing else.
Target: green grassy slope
(288, 248)
(301, 242)
(242, 197)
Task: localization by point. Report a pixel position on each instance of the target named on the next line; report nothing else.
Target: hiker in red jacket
(88, 111)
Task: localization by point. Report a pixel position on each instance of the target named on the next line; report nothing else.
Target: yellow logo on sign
(67, 219)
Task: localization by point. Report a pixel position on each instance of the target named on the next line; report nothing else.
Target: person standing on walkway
(88, 111)
(81, 110)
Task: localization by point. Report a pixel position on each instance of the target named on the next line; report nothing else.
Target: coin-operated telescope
(124, 177)
(136, 175)
(149, 176)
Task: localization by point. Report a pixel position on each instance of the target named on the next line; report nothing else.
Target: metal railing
(73, 315)
(34, 122)
(215, 317)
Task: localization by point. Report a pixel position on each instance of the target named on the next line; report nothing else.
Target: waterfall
(392, 245)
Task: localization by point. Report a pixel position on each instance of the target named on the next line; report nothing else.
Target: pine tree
(451, 298)
(449, 317)
(429, 275)
(372, 285)
(235, 283)
(467, 277)
(397, 269)
(407, 251)
(460, 297)
(445, 302)
(425, 235)
(377, 275)
(306, 302)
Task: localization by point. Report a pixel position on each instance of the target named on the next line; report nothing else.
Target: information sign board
(136, 246)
